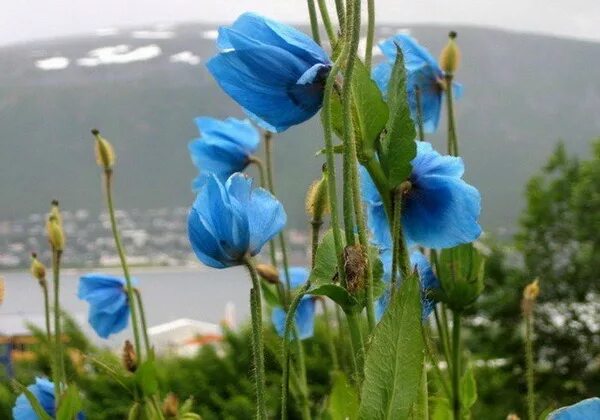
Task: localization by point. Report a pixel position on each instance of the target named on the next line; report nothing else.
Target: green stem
(314, 25)
(59, 375)
(380, 181)
(358, 348)
(327, 22)
(370, 33)
(140, 306)
(456, 369)
(120, 251)
(443, 338)
(435, 361)
(329, 336)
(400, 249)
(419, 114)
(422, 401)
(452, 139)
(340, 8)
(44, 285)
(315, 227)
(257, 341)
(289, 325)
(263, 183)
(304, 385)
(530, 366)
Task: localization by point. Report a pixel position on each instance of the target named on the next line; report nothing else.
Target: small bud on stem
(268, 272)
(450, 55)
(38, 270)
(129, 357)
(105, 154)
(355, 264)
(170, 406)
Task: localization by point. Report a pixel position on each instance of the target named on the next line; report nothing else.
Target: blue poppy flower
(305, 313)
(426, 276)
(224, 147)
(584, 410)
(439, 211)
(109, 305)
(422, 71)
(229, 221)
(275, 72)
(43, 391)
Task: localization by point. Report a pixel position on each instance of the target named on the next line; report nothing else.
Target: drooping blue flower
(439, 211)
(426, 276)
(109, 305)
(422, 71)
(43, 390)
(588, 409)
(230, 220)
(275, 72)
(305, 313)
(224, 147)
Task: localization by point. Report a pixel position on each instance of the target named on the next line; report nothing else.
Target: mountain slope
(522, 94)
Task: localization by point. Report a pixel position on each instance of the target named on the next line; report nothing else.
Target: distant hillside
(522, 94)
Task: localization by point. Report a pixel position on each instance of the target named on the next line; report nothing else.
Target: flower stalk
(314, 25)
(327, 22)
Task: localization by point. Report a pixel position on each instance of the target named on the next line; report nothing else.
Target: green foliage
(343, 401)
(35, 404)
(468, 389)
(398, 145)
(395, 358)
(70, 404)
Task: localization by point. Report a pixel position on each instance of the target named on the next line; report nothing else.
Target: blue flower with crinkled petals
(109, 305)
(588, 409)
(275, 72)
(440, 210)
(426, 276)
(230, 221)
(224, 147)
(43, 391)
(422, 72)
(305, 313)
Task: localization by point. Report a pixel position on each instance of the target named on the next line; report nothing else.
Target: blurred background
(135, 70)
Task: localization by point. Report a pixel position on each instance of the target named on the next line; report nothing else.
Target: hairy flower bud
(55, 211)
(105, 154)
(317, 204)
(38, 270)
(129, 357)
(450, 55)
(268, 272)
(55, 233)
(513, 416)
(170, 406)
(530, 294)
(355, 264)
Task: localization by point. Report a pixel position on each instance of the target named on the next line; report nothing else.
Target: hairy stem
(327, 22)
(456, 368)
(263, 183)
(370, 33)
(140, 306)
(419, 113)
(59, 375)
(314, 25)
(340, 8)
(452, 138)
(530, 366)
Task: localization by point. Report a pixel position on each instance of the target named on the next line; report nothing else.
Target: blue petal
(588, 409)
(205, 245)
(93, 282)
(240, 132)
(107, 323)
(304, 319)
(217, 156)
(298, 276)
(430, 162)
(43, 391)
(382, 74)
(266, 218)
(414, 54)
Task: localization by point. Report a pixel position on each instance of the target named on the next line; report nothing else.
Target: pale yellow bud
(532, 290)
(268, 272)
(170, 407)
(513, 416)
(56, 236)
(38, 270)
(55, 211)
(105, 154)
(450, 55)
(317, 204)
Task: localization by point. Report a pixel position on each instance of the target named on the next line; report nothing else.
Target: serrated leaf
(338, 294)
(370, 110)
(147, 378)
(399, 147)
(343, 401)
(468, 389)
(35, 404)
(394, 361)
(70, 404)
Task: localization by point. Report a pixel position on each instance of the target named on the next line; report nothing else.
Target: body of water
(198, 293)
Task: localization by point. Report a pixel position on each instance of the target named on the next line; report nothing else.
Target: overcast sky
(22, 20)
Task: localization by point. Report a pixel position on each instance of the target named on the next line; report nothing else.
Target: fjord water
(198, 293)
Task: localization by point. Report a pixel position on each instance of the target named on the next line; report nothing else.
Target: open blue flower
(439, 211)
(109, 305)
(43, 391)
(275, 72)
(584, 410)
(426, 276)
(229, 221)
(422, 71)
(305, 313)
(224, 147)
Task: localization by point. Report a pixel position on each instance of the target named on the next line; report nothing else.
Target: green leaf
(394, 360)
(325, 269)
(399, 147)
(269, 294)
(441, 409)
(146, 377)
(338, 149)
(35, 404)
(370, 110)
(70, 404)
(468, 389)
(135, 412)
(187, 405)
(343, 401)
(338, 294)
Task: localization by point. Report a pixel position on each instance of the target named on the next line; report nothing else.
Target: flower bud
(105, 154)
(268, 272)
(170, 406)
(317, 204)
(38, 270)
(450, 55)
(55, 211)
(355, 265)
(532, 290)
(513, 416)
(129, 357)
(55, 233)
(2, 289)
